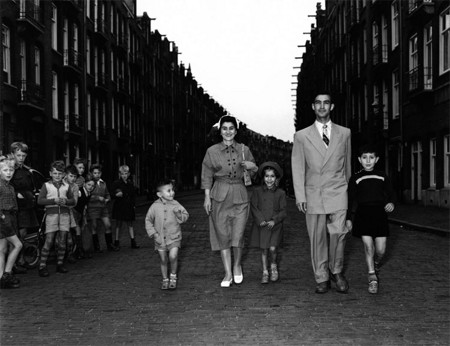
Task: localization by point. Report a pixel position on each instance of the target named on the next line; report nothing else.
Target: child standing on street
(163, 221)
(70, 179)
(370, 198)
(268, 207)
(124, 195)
(8, 224)
(57, 197)
(98, 210)
(80, 214)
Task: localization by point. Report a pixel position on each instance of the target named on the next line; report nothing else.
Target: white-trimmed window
(66, 100)
(54, 27)
(444, 28)
(447, 161)
(66, 41)
(113, 113)
(384, 39)
(88, 8)
(75, 39)
(395, 24)
(112, 65)
(433, 162)
(88, 55)
(395, 94)
(6, 50)
(37, 65)
(55, 114)
(23, 63)
(427, 57)
(89, 111)
(385, 107)
(76, 100)
(413, 63)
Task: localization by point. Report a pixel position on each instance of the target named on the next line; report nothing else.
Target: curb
(429, 229)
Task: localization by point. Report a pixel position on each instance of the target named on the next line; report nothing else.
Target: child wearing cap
(268, 207)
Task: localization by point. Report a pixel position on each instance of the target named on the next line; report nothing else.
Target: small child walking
(370, 198)
(268, 208)
(123, 211)
(8, 224)
(57, 197)
(162, 222)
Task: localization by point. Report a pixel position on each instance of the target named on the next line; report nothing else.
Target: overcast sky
(242, 52)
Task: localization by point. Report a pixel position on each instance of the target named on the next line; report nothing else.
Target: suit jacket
(320, 175)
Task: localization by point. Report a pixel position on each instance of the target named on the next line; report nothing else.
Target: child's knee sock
(61, 252)
(44, 256)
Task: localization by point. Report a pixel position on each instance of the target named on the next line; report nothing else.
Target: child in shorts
(8, 224)
(57, 197)
(370, 198)
(162, 222)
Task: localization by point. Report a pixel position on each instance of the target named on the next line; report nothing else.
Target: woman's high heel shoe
(226, 283)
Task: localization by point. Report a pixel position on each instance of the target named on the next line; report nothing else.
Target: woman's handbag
(247, 178)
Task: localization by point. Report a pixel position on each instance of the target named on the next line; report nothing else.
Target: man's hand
(207, 205)
(302, 207)
(270, 224)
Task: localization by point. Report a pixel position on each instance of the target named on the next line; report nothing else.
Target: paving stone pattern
(114, 298)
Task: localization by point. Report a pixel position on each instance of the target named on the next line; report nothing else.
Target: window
(75, 38)
(444, 27)
(88, 55)
(55, 95)
(366, 104)
(54, 27)
(66, 41)
(76, 100)
(88, 8)
(384, 39)
(395, 24)
(375, 44)
(427, 57)
(66, 100)
(364, 46)
(395, 95)
(6, 50)
(385, 107)
(23, 64)
(447, 161)
(37, 65)
(89, 111)
(433, 162)
(112, 66)
(413, 62)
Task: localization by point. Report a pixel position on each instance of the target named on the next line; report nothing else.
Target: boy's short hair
(71, 169)
(323, 92)
(368, 148)
(88, 178)
(7, 161)
(19, 146)
(95, 166)
(164, 182)
(78, 160)
(124, 169)
(59, 165)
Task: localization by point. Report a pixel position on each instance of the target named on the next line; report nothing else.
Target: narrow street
(114, 298)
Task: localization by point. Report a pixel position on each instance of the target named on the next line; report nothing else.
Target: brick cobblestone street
(114, 298)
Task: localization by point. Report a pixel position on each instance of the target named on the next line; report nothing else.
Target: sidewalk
(419, 217)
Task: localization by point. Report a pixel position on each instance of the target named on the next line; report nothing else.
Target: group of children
(73, 202)
(370, 199)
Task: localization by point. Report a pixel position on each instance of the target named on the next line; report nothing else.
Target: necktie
(324, 135)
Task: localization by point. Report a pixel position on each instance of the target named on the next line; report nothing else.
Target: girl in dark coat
(124, 195)
(268, 207)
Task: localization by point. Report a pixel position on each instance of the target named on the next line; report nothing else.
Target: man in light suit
(321, 169)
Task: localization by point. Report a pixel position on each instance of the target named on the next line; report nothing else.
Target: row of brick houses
(89, 78)
(387, 62)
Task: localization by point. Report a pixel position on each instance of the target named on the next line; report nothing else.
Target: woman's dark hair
(228, 119)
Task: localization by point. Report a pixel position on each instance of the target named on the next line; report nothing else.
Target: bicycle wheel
(31, 255)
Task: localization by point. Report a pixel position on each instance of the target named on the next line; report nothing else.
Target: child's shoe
(8, 280)
(173, 281)
(133, 244)
(165, 284)
(43, 272)
(19, 269)
(273, 272)
(373, 284)
(61, 269)
(71, 259)
(117, 244)
(265, 277)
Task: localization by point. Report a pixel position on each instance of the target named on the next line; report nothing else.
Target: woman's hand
(248, 165)
(207, 204)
